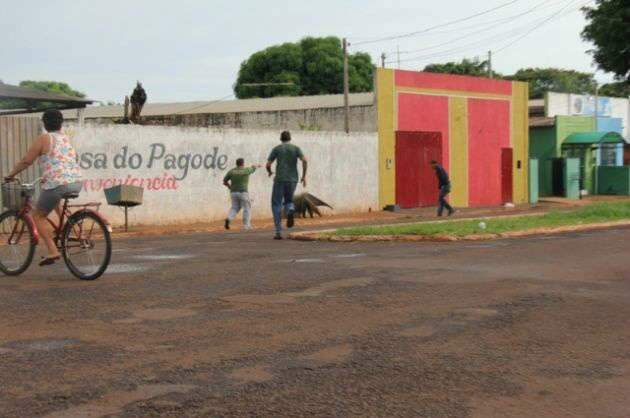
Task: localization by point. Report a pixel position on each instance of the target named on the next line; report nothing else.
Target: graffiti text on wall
(155, 157)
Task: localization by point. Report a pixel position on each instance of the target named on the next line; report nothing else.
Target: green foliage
(542, 80)
(313, 65)
(55, 87)
(595, 213)
(465, 67)
(608, 29)
(618, 89)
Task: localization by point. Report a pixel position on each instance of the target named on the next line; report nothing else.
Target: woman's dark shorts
(49, 199)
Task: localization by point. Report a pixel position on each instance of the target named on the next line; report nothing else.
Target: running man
(237, 180)
(286, 156)
(444, 184)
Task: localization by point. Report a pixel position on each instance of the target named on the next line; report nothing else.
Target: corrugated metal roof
(594, 138)
(8, 91)
(273, 104)
(541, 121)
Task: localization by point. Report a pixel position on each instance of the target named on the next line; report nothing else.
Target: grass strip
(594, 213)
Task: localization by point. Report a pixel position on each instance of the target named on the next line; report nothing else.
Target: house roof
(583, 138)
(34, 96)
(273, 104)
(541, 121)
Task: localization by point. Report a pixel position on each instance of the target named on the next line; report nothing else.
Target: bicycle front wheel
(86, 245)
(17, 243)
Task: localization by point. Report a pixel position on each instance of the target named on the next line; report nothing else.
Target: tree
(542, 80)
(618, 89)
(55, 87)
(473, 67)
(311, 66)
(608, 29)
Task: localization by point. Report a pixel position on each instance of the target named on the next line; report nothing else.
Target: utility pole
(346, 87)
(398, 55)
(490, 64)
(383, 56)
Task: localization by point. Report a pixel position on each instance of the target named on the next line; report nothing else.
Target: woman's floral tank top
(59, 167)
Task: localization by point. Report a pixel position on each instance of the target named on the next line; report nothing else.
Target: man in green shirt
(286, 156)
(237, 180)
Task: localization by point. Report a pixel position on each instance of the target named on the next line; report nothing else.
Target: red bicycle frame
(63, 214)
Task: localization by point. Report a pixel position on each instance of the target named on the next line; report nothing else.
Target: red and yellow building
(476, 127)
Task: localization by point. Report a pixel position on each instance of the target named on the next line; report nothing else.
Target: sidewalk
(366, 218)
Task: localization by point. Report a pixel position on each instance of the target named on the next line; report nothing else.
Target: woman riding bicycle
(60, 171)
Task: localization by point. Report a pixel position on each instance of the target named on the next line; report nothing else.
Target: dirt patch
(156, 314)
(255, 374)
(292, 297)
(476, 314)
(114, 402)
(328, 355)
(421, 331)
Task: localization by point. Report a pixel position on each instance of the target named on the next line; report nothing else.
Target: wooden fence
(16, 135)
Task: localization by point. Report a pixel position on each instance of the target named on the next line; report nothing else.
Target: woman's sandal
(46, 261)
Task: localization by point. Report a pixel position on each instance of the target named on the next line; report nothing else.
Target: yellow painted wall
(386, 134)
(458, 147)
(520, 141)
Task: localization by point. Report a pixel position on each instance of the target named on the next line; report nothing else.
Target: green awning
(585, 138)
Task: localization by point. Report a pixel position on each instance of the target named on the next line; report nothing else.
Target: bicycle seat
(71, 195)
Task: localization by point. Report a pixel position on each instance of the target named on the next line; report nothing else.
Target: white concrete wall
(343, 169)
(577, 104)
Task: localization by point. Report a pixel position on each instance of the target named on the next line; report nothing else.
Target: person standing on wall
(286, 156)
(444, 184)
(237, 181)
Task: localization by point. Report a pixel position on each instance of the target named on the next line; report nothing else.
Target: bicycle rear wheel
(86, 245)
(17, 243)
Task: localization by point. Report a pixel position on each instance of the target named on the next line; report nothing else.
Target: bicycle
(83, 236)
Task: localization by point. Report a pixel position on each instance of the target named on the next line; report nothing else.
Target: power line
(538, 26)
(410, 34)
(485, 28)
(494, 38)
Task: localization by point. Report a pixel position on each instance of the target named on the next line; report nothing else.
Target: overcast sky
(189, 50)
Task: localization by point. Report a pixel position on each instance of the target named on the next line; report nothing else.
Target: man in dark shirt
(286, 156)
(444, 184)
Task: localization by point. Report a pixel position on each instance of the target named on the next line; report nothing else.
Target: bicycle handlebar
(8, 180)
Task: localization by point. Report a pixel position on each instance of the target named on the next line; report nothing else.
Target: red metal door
(506, 175)
(416, 184)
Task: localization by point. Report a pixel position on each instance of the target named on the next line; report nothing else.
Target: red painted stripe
(423, 113)
(488, 132)
(451, 82)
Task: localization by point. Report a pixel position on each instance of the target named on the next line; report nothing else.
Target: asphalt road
(234, 324)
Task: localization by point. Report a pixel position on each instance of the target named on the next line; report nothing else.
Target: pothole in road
(291, 297)
(46, 344)
(330, 355)
(163, 257)
(127, 268)
(307, 260)
(255, 374)
(156, 314)
(476, 314)
(420, 331)
(113, 403)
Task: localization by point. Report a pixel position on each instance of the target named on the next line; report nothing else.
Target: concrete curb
(324, 235)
